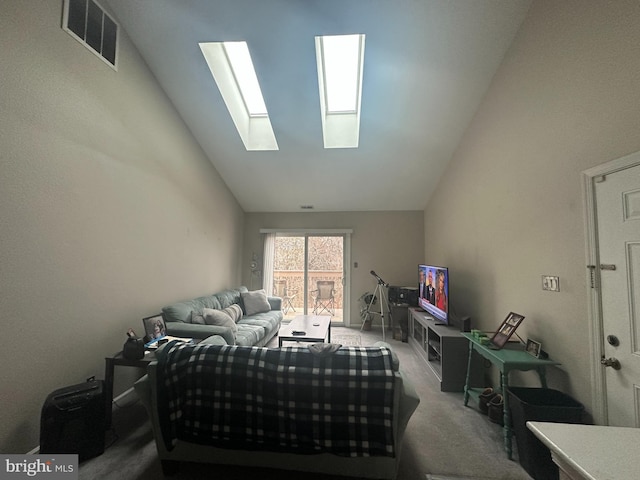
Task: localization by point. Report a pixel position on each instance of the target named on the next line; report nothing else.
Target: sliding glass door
(308, 272)
(325, 275)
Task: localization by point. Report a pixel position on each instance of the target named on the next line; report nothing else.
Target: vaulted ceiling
(427, 66)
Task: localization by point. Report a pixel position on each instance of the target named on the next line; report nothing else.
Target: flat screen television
(433, 291)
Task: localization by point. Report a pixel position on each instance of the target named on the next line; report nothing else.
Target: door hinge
(605, 266)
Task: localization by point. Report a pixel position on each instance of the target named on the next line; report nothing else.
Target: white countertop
(596, 452)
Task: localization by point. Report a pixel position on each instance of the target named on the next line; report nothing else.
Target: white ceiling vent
(87, 22)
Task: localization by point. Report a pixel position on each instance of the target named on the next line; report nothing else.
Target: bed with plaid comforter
(282, 400)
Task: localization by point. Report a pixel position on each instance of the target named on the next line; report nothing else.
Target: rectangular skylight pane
(341, 55)
(245, 75)
(247, 109)
(340, 60)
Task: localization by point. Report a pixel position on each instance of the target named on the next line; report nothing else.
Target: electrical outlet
(550, 283)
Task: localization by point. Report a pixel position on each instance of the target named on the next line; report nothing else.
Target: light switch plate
(550, 283)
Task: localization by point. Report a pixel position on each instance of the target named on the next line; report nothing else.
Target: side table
(109, 370)
(511, 357)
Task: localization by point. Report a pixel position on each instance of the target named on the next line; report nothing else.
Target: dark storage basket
(539, 405)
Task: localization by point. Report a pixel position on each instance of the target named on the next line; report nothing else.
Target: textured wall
(509, 207)
(108, 211)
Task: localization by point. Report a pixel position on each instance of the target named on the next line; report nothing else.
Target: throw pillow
(234, 311)
(324, 349)
(255, 302)
(218, 317)
(197, 318)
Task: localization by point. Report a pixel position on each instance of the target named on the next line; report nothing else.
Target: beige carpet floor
(346, 339)
(444, 438)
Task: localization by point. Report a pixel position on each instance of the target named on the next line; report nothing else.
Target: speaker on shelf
(465, 324)
(411, 295)
(408, 295)
(73, 420)
(394, 293)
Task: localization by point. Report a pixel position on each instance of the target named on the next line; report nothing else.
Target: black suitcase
(73, 420)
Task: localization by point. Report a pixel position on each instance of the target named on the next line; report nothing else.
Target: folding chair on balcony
(324, 299)
(280, 290)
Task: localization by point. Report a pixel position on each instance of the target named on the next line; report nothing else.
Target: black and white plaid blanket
(285, 400)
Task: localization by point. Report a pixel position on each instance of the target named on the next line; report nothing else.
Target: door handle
(611, 362)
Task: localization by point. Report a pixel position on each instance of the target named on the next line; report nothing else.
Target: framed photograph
(533, 348)
(506, 329)
(154, 327)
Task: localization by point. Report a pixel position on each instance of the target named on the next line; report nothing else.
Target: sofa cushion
(234, 311)
(255, 302)
(269, 321)
(197, 318)
(218, 317)
(227, 298)
(249, 335)
(213, 340)
(181, 311)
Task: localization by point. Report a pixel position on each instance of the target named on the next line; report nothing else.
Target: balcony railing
(295, 284)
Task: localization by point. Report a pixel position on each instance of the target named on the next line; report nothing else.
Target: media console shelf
(442, 347)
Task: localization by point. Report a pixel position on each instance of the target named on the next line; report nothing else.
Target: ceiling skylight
(245, 75)
(232, 69)
(340, 60)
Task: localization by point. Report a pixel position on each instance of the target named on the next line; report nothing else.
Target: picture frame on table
(154, 327)
(533, 348)
(506, 329)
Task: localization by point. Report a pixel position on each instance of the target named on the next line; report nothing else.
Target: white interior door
(618, 231)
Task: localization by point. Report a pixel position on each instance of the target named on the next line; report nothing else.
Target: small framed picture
(533, 348)
(154, 327)
(506, 329)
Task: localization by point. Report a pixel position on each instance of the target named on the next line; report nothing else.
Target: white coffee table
(316, 328)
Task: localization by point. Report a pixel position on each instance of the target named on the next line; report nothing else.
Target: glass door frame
(346, 260)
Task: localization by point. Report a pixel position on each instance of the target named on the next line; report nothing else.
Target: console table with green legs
(511, 357)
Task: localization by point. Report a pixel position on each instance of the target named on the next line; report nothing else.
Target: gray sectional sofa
(258, 322)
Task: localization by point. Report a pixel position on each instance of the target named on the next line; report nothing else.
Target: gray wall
(388, 242)
(108, 211)
(509, 207)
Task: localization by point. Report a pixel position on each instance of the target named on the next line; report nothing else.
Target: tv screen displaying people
(433, 291)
